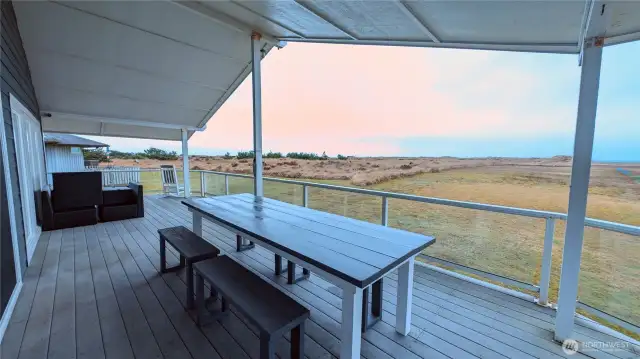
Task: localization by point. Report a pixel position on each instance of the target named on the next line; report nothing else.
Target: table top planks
(355, 251)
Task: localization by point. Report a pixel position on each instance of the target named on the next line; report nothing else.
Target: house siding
(15, 79)
(61, 159)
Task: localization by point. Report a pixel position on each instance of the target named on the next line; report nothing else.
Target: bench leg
(267, 349)
(223, 305)
(278, 260)
(163, 259)
(163, 256)
(189, 274)
(297, 342)
(199, 299)
(371, 318)
(291, 273)
(240, 246)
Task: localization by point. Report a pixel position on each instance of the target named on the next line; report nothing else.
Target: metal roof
(149, 68)
(70, 140)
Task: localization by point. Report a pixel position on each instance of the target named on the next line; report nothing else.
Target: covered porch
(117, 69)
(96, 292)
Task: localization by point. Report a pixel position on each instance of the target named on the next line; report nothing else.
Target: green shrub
(341, 157)
(97, 154)
(126, 155)
(303, 155)
(245, 154)
(158, 154)
(227, 156)
(273, 155)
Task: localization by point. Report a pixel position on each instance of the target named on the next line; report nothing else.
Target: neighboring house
(63, 152)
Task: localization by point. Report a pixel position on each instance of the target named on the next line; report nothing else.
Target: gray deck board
(88, 333)
(115, 341)
(95, 292)
(35, 343)
(63, 325)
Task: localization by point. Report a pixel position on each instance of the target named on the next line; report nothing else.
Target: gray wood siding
(15, 78)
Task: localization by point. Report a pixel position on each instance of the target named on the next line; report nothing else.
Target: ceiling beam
(416, 20)
(562, 48)
(225, 20)
(268, 19)
(53, 115)
(325, 19)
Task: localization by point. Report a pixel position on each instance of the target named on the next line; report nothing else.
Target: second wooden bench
(270, 310)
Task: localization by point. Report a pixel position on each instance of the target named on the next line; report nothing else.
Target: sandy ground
(369, 171)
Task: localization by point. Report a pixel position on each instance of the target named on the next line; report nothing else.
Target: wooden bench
(192, 249)
(270, 310)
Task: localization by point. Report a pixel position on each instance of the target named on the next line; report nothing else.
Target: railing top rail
(591, 222)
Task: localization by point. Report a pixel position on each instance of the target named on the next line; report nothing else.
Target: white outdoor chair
(170, 185)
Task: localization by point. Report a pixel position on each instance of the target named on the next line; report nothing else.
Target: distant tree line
(295, 155)
(154, 153)
(151, 153)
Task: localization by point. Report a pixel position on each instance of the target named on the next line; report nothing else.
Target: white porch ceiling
(138, 63)
(175, 63)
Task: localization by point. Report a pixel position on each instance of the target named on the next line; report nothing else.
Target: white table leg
(197, 223)
(405, 297)
(351, 322)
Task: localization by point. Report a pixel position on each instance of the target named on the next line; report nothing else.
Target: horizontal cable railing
(543, 286)
(591, 222)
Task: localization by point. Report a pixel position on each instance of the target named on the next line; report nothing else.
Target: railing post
(203, 184)
(226, 184)
(545, 270)
(385, 211)
(305, 196)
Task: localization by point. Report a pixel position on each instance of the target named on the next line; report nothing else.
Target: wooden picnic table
(350, 253)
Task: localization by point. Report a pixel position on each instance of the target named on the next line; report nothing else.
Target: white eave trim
(102, 120)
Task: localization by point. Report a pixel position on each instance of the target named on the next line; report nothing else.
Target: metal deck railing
(541, 289)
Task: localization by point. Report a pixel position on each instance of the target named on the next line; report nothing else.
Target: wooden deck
(95, 292)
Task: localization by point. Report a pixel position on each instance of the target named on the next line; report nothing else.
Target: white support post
(256, 57)
(385, 211)
(197, 223)
(203, 184)
(545, 269)
(405, 296)
(580, 171)
(185, 162)
(305, 195)
(351, 322)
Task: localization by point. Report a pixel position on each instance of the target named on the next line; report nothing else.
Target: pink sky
(345, 99)
(334, 97)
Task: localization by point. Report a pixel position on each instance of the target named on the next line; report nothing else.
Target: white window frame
(6, 316)
(16, 109)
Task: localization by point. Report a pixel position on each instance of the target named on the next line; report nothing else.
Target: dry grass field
(503, 244)
(358, 171)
